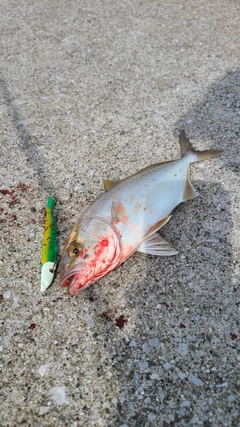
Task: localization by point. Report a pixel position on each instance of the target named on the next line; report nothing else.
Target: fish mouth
(75, 281)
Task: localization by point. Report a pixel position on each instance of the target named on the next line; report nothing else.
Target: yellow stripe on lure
(49, 247)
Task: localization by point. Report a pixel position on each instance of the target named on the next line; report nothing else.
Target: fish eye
(74, 249)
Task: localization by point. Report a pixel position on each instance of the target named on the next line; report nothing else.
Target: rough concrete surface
(99, 89)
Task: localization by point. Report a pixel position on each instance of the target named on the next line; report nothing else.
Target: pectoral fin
(156, 245)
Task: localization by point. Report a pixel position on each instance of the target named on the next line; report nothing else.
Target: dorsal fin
(108, 184)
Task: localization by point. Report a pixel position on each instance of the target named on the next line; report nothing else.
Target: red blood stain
(166, 305)
(120, 322)
(91, 299)
(39, 301)
(1, 209)
(182, 325)
(28, 240)
(32, 326)
(100, 248)
(22, 187)
(13, 202)
(1, 298)
(233, 336)
(33, 221)
(107, 410)
(10, 193)
(2, 220)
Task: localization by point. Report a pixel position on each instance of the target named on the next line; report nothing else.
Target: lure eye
(74, 249)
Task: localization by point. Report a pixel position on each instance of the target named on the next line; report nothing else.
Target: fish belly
(149, 200)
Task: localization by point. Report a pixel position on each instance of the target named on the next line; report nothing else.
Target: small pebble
(142, 366)
(7, 294)
(43, 370)
(43, 410)
(154, 342)
(166, 366)
(225, 384)
(195, 380)
(151, 417)
(186, 403)
(58, 395)
(183, 348)
(154, 377)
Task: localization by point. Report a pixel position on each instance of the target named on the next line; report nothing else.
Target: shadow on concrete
(217, 117)
(27, 143)
(179, 300)
(189, 289)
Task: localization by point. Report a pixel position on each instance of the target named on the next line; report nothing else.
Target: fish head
(91, 251)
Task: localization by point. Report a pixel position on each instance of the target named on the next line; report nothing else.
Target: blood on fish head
(91, 251)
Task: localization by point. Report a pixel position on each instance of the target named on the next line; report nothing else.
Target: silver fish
(125, 219)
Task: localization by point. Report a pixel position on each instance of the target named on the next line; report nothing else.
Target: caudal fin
(187, 149)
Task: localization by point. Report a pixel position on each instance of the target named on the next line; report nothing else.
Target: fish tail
(188, 150)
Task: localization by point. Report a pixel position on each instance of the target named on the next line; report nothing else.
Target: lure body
(49, 247)
(125, 219)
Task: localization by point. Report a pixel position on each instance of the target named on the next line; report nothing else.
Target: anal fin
(156, 245)
(189, 190)
(157, 226)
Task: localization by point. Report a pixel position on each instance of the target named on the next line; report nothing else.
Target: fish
(126, 219)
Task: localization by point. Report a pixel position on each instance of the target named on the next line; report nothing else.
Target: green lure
(49, 247)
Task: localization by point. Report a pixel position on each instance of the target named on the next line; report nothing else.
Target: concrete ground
(97, 89)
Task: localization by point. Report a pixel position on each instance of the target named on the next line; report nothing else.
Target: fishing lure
(49, 247)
